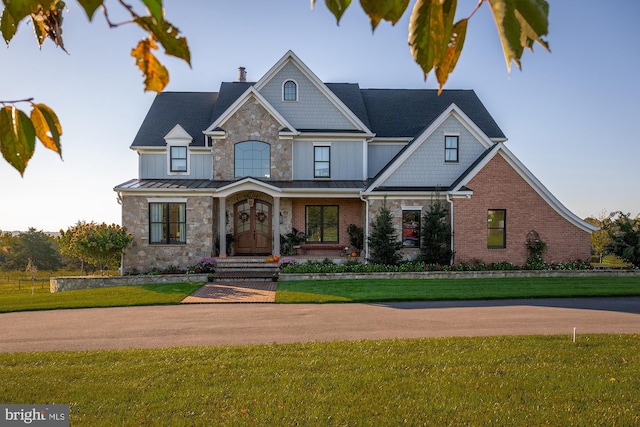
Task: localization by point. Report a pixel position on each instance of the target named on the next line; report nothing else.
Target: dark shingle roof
(386, 112)
(191, 110)
(191, 184)
(407, 112)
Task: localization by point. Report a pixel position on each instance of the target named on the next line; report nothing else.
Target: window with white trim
(289, 91)
(321, 161)
(451, 144)
(178, 159)
(168, 223)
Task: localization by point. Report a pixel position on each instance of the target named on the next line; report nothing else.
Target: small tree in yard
(98, 244)
(625, 235)
(436, 235)
(383, 242)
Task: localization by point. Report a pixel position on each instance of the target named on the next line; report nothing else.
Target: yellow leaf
(17, 137)
(156, 76)
(456, 42)
(47, 127)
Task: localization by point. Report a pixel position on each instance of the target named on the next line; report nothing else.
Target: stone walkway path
(245, 292)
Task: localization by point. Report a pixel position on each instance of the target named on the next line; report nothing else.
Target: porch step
(240, 269)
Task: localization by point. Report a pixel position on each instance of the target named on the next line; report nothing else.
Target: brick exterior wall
(350, 211)
(499, 186)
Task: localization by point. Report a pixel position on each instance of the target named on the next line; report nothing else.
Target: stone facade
(396, 206)
(252, 122)
(142, 256)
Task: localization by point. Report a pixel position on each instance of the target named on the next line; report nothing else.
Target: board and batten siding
(312, 110)
(346, 160)
(426, 166)
(379, 155)
(155, 166)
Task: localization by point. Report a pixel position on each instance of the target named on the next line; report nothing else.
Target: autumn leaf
(452, 54)
(17, 137)
(336, 7)
(430, 32)
(520, 23)
(156, 76)
(8, 26)
(90, 6)
(389, 10)
(155, 8)
(167, 35)
(47, 127)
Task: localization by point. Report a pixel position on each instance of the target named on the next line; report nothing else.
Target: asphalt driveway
(223, 324)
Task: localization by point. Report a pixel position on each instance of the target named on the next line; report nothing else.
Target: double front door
(253, 233)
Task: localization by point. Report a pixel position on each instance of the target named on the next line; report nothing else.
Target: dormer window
(289, 91)
(178, 159)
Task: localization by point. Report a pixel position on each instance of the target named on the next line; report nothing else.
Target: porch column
(222, 226)
(276, 225)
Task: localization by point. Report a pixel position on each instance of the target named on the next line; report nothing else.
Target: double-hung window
(178, 159)
(167, 223)
(496, 228)
(451, 151)
(322, 224)
(321, 162)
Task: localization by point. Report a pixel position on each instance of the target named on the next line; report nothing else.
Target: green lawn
(12, 299)
(501, 381)
(328, 291)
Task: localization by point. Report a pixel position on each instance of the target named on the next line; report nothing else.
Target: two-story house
(257, 159)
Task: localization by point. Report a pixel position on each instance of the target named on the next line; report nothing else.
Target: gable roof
(387, 113)
(408, 112)
(377, 183)
(251, 92)
(520, 168)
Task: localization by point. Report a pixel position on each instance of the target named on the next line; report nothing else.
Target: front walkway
(245, 292)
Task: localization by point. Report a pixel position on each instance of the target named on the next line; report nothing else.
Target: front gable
(502, 153)
(423, 163)
(315, 107)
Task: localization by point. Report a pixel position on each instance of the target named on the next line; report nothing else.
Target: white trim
(291, 57)
(452, 110)
(322, 144)
(411, 208)
(533, 182)
(167, 199)
(243, 99)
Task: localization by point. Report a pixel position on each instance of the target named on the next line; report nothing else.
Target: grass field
(500, 381)
(14, 298)
(331, 291)
(19, 293)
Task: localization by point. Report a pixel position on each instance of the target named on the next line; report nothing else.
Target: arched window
(290, 91)
(253, 158)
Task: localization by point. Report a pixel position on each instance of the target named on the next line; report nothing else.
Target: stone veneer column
(222, 226)
(275, 219)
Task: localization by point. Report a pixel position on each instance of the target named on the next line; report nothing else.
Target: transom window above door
(252, 158)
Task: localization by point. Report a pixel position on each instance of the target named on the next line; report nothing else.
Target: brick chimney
(242, 74)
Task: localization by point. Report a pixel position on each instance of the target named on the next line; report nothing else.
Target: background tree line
(86, 247)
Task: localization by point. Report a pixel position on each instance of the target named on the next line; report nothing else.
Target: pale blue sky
(570, 116)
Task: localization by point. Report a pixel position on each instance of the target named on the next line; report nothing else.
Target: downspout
(452, 233)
